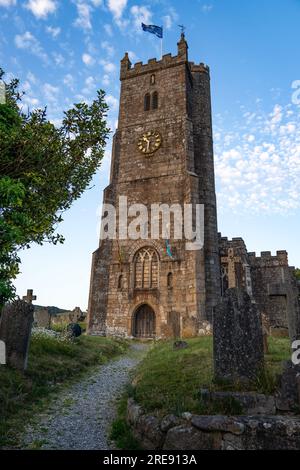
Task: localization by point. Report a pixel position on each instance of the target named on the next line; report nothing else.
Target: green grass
(120, 432)
(169, 381)
(61, 327)
(52, 364)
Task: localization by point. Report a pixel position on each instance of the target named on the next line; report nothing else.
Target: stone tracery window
(146, 269)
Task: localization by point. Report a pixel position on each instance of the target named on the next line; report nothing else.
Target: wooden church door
(144, 322)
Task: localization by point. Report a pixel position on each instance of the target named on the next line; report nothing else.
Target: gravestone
(42, 318)
(180, 345)
(74, 330)
(238, 337)
(288, 396)
(15, 329)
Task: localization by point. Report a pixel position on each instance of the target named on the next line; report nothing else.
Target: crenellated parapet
(267, 259)
(153, 65)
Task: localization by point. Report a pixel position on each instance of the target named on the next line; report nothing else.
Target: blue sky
(63, 51)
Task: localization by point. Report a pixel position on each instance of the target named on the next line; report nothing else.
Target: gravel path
(81, 416)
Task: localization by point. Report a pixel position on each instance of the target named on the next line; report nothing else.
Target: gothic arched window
(155, 100)
(147, 100)
(146, 269)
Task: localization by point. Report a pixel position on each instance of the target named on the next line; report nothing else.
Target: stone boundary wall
(192, 432)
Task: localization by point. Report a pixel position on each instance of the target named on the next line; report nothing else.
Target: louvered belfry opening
(144, 322)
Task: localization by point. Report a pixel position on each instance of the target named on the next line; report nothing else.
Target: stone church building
(163, 153)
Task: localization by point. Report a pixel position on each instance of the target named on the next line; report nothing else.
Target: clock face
(149, 142)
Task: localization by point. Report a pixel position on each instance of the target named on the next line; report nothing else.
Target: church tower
(162, 154)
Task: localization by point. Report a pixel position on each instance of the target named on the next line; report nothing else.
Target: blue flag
(168, 249)
(151, 28)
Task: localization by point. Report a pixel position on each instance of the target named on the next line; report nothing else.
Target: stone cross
(230, 260)
(29, 297)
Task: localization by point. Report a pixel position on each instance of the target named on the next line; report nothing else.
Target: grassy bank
(168, 381)
(52, 365)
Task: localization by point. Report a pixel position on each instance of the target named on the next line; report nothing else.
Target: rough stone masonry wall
(274, 290)
(274, 285)
(204, 168)
(192, 432)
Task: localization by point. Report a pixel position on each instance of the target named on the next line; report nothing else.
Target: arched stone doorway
(144, 322)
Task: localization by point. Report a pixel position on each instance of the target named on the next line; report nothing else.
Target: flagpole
(161, 47)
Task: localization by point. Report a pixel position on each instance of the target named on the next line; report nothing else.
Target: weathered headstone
(42, 318)
(15, 329)
(288, 396)
(74, 330)
(238, 337)
(180, 345)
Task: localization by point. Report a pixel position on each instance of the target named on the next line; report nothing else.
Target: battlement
(268, 254)
(264, 258)
(267, 258)
(167, 60)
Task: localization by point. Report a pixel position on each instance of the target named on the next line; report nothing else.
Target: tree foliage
(297, 272)
(43, 170)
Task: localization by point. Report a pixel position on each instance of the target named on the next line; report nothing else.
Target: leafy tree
(297, 272)
(43, 170)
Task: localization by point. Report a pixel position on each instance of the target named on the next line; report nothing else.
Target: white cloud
(7, 3)
(108, 48)
(41, 8)
(108, 30)
(87, 59)
(259, 171)
(112, 102)
(207, 8)
(141, 14)
(170, 18)
(31, 78)
(53, 31)
(69, 81)
(168, 21)
(109, 67)
(28, 41)
(50, 93)
(90, 86)
(132, 56)
(84, 16)
(58, 58)
(106, 80)
(117, 7)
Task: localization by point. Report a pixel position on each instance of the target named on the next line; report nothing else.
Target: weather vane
(182, 27)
